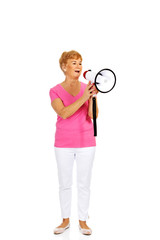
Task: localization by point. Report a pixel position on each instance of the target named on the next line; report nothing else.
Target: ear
(64, 67)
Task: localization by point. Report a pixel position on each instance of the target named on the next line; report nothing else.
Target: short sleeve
(53, 94)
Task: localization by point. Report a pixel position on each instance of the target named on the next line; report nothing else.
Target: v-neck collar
(68, 92)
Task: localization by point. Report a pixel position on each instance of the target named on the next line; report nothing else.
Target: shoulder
(54, 89)
(54, 92)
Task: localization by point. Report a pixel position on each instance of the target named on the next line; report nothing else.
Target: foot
(83, 224)
(61, 228)
(84, 228)
(64, 223)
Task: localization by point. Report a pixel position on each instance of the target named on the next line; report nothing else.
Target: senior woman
(74, 138)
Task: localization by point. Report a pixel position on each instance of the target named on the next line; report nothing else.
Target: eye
(80, 63)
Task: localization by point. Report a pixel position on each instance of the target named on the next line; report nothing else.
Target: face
(73, 68)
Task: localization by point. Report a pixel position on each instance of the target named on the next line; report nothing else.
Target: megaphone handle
(94, 116)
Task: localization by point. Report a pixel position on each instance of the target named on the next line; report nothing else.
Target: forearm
(90, 108)
(72, 108)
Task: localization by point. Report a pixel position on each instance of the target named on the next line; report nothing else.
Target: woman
(74, 138)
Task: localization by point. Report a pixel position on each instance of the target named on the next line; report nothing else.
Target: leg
(84, 160)
(65, 160)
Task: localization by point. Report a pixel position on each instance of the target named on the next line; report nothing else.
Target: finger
(92, 92)
(90, 87)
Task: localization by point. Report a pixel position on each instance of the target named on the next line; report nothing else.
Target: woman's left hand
(94, 88)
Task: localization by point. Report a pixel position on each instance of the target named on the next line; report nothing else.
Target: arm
(65, 112)
(90, 112)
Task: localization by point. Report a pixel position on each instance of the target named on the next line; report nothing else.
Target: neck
(71, 81)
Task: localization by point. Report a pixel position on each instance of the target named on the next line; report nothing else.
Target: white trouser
(84, 159)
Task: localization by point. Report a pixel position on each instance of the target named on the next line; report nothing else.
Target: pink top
(75, 131)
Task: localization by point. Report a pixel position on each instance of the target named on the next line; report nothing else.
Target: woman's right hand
(88, 92)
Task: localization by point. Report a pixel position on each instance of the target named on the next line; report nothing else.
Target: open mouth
(77, 71)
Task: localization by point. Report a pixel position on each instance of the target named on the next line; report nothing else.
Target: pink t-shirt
(75, 131)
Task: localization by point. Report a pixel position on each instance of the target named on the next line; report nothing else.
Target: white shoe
(61, 230)
(85, 231)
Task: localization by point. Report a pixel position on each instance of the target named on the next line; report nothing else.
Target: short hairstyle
(68, 55)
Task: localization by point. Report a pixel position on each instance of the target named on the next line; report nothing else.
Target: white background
(125, 191)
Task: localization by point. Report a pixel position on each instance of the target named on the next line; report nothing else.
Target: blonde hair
(68, 55)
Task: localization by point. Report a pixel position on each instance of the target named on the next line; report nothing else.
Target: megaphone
(104, 81)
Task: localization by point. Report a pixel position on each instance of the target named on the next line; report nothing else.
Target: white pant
(65, 158)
